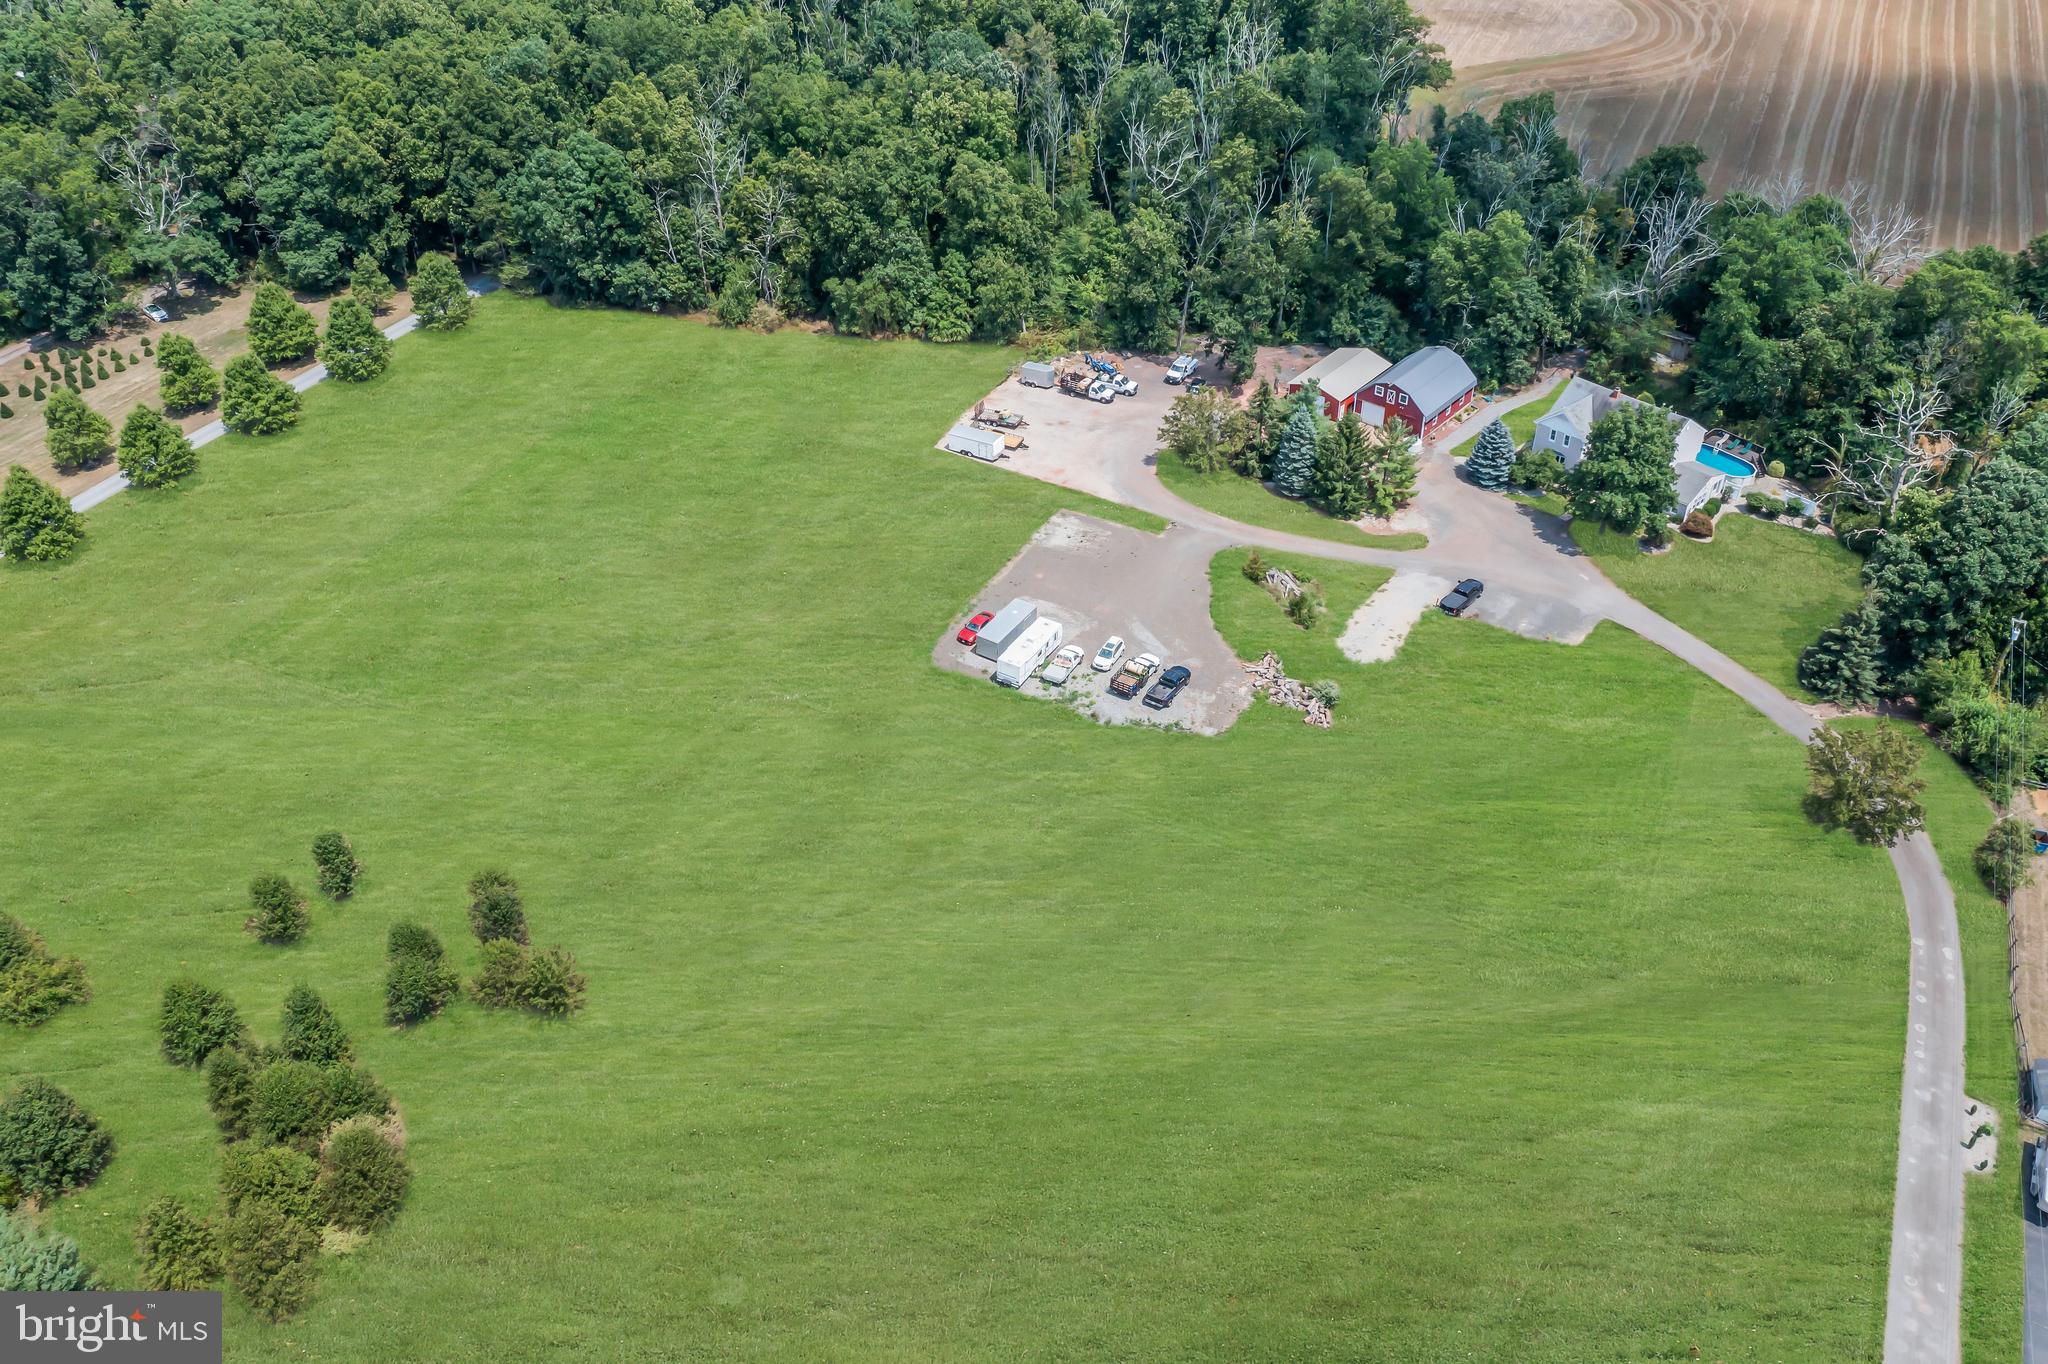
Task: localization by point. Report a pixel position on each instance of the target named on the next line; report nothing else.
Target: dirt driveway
(1099, 579)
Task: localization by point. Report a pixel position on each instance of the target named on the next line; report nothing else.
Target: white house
(1703, 473)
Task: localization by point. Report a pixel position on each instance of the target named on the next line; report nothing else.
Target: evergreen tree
(1492, 454)
(255, 401)
(154, 453)
(184, 380)
(368, 286)
(1390, 470)
(310, 1031)
(37, 524)
(1341, 457)
(1845, 665)
(39, 1262)
(439, 296)
(279, 329)
(77, 436)
(353, 349)
(1268, 413)
(1294, 459)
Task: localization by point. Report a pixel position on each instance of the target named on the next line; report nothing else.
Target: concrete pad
(1099, 579)
(1380, 625)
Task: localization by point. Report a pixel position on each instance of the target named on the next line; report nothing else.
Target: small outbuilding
(1002, 631)
(1341, 377)
(974, 442)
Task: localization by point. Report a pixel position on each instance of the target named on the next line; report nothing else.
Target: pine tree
(1339, 480)
(368, 286)
(5, 411)
(1845, 665)
(154, 453)
(37, 524)
(438, 294)
(1390, 470)
(41, 392)
(77, 436)
(1294, 459)
(1491, 457)
(310, 1031)
(255, 401)
(100, 372)
(353, 349)
(1267, 414)
(184, 381)
(279, 329)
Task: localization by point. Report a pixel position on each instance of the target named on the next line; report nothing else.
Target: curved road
(1484, 535)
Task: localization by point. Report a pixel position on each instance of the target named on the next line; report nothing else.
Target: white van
(1027, 654)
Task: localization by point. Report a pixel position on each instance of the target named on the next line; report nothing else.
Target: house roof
(1582, 402)
(1434, 378)
(1344, 371)
(1694, 481)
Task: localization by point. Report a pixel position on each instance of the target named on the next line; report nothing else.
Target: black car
(1167, 687)
(1462, 596)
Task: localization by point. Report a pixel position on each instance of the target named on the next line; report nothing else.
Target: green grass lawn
(1521, 1015)
(1250, 501)
(1520, 422)
(1758, 592)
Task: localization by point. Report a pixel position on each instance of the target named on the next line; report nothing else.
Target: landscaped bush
(230, 1081)
(1763, 504)
(278, 910)
(494, 908)
(1534, 468)
(1305, 608)
(496, 983)
(310, 1031)
(363, 1175)
(48, 1144)
(176, 1250)
(1254, 567)
(408, 939)
(270, 1260)
(32, 1261)
(2005, 859)
(34, 984)
(352, 1092)
(418, 983)
(551, 985)
(1657, 534)
(288, 1104)
(253, 1172)
(195, 1020)
(1699, 525)
(336, 859)
(1327, 691)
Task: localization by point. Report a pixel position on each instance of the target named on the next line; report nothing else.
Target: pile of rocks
(1268, 676)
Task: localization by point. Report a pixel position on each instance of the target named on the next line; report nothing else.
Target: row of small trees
(1344, 467)
(37, 523)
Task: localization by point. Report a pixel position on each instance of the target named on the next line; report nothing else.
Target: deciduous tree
(1626, 480)
(1865, 781)
(185, 381)
(153, 452)
(77, 436)
(353, 349)
(255, 401)
(279, 329)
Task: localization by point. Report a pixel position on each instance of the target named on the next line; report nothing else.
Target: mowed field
(1521, 1015)
(1941, 105)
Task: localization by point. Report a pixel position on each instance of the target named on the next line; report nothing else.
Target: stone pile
(1268, 676)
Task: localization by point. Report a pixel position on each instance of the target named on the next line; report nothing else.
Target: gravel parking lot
(1099, 579)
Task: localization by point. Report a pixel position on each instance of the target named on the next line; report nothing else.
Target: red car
(971, 631)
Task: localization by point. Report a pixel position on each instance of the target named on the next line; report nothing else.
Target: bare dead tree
(1672, 242)
(1049, 118)
(1886, 241)
(718, 158)
(1904, 448)
(145, 165)
(2008, 399)
(1782, 191)
(1250, 41)
(770, 209)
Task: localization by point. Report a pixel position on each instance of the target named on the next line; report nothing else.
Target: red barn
(1427, 391)
(1341, 377)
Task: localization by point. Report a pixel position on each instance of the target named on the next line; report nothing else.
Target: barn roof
(1434, 377)
(1344, 371)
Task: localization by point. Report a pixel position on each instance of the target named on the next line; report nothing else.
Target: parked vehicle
(1197, 386)
(1063, 664)
(1181, 370)
(1102, 391)
(1125, 385)
(1167, 687)
(1036, 374)
(999, 634)
(155, 313)
(972, 629)
(1460, 598)
(1028, 654)
(1134, 675)
(1112, 649)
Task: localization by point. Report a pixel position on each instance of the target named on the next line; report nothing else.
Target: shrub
(352, 1092)
(2005, 859)
(439, 296)
(252, 1172)
(417, 986)
(100, 371)
(1305, 608)
(310, 1031)
(496, 983)
(1327, 691)
(37, 524)
(551, 984)
(494, 908)
(1657, 534)
(39, 1262)
(279, 329)
(408, 939)
(363, 1175)
(184, 380)
(336, 860)
(288, 1104)
(5, 411)
(1712, 507)
(1699, 525)
(33, 990)
(176, 1249)
(230, 1083)
(255, 401)
(1776, 468)
(18, 942)
(1534, 468)
(195, 1020)
(85, 380)
(279, 911)
(1762, 504)
(1255, 567)
(76, 435)
(269, 1260)
(48, 1144)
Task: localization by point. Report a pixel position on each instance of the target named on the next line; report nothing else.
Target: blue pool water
(1727, 464)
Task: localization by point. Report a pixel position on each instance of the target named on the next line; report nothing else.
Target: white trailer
(1036, 374)
(1000, 633)
(1028, 654)
(975, 443)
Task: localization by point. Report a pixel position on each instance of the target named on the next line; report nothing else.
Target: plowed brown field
(1938, 104)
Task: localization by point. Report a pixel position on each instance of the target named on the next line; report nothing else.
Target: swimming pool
(1725, 463)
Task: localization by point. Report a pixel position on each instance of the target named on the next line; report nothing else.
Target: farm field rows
(1521, 1013)
(1941, 105)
